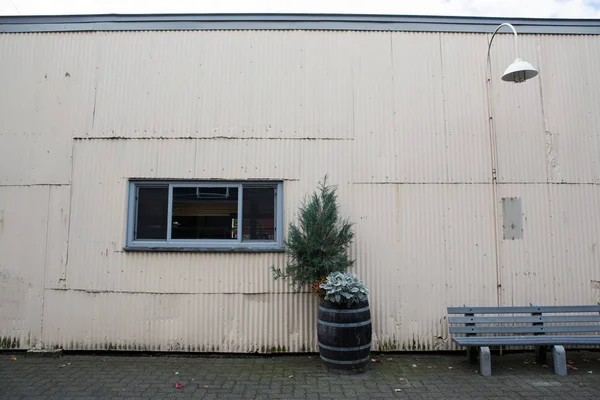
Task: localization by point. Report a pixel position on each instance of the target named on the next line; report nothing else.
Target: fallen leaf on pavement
(205, 386)
(569, 366)
(14, 358)
(414, 365)
(401, 379)
(62, 366)
(178, 385)
(176, 373)
(590, 372)
(390, 358)
(450, 367)
(429, 366)
(569, 362)
(397, 390)
(290, 377)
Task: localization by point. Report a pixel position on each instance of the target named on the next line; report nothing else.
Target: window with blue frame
(205, 215)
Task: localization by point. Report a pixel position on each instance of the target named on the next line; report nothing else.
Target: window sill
(204, 250)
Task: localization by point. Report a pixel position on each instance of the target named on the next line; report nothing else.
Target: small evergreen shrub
(318, 244)
(343, 288)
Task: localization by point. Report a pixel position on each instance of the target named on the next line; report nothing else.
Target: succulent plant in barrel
(317, 249)
(344, 289)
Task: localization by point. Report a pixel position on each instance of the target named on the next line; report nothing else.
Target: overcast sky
(496, 8)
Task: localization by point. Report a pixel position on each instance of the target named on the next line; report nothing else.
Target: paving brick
(122, 377)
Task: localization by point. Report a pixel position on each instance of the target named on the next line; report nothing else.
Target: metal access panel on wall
(512, 218)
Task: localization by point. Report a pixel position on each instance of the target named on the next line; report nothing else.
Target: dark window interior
(258, 213)
(152, 209)
(204, 213)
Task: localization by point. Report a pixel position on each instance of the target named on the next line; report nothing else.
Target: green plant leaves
(344, 288)
(318, 244)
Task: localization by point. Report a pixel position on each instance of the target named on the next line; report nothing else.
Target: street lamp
(517, 72)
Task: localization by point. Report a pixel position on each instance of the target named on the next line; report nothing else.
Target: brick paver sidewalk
(423, 376)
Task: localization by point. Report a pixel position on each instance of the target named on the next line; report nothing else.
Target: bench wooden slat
(520, 319)
(522, 310)
(525, 329)
(546, 340)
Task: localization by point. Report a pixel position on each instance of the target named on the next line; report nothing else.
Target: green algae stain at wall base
(7, 342)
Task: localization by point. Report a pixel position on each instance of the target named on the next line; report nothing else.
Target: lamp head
(519, 71)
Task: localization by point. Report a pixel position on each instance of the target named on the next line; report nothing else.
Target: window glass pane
(204, 213)
(259, 213)
(152, 208)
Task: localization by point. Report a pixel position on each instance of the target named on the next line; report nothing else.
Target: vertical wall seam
(94, 108)
(40, 342)
(393, 79)
(444, 111)
(66, 266)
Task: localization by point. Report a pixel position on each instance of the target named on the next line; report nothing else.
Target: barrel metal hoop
(366, 346)
(338, 325)
(335, 310)
(345, 362)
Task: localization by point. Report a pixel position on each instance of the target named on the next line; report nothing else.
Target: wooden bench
(524, 326)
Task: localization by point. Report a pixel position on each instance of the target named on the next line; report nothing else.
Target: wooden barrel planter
(344, 336)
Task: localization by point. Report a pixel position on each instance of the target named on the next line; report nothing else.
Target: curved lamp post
(519, 71)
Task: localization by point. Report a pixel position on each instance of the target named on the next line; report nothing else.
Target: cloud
(505, 8)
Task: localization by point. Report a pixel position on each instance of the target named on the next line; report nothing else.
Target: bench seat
(545, 340)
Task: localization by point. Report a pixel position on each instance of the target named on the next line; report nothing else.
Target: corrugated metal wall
(398, 120)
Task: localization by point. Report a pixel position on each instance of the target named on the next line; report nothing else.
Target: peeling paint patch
(553, 166)
(440, 342)
(595, 284)
(596, 291)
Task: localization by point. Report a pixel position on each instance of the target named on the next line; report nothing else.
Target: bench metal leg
(485, 361)
(540, 354)
(560, 360)
(472, 355)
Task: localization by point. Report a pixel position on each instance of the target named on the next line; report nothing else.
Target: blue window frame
(205, 215)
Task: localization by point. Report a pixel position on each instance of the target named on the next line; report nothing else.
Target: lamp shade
(519, 71)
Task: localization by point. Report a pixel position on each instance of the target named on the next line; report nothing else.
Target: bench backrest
(532, 319)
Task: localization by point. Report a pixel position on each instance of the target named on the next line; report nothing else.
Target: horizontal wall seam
(479, 183)
(205, 138)
(37, 184)
(101, 291)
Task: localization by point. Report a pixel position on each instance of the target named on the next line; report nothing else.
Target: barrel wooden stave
(344, 335)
